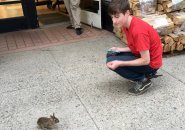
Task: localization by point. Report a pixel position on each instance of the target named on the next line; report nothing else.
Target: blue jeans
(134, 73)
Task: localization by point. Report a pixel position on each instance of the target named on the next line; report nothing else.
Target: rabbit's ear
(53, 114)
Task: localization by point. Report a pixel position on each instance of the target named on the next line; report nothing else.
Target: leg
(134, 73)
(124, 71)
(75, 10)
(76, 16)
(54, 3)
(67, 6)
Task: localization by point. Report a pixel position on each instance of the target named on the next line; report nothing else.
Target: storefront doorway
(90, 13)
(49, 13)
(17, 14)
(24, 14)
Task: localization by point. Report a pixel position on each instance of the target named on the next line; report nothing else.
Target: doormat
(46, 19)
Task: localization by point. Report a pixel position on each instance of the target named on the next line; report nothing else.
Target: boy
(143, 56)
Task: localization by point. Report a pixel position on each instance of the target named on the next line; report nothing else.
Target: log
(177, 17)
(175, 37)
(171, 44)
(179, 46)
(166, 48)
(173, 47)
(182, 39)
(168, 40)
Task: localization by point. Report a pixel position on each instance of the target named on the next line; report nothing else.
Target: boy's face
(120, 19)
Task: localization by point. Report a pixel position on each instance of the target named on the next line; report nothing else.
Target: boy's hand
(115, 48)
(113, 64)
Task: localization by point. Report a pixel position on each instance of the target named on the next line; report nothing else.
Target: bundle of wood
(170, 5)
(141, 8)
(174, 41)
(178, 19)
(161, 23)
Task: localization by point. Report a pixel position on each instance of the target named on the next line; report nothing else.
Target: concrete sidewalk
(72, 81)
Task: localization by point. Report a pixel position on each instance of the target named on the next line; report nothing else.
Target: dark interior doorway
(17, 14)
(49, 12)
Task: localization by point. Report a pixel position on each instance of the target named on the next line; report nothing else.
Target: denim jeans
(134, 73)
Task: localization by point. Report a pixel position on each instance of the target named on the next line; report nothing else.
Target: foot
(78, 31)
(53, 6)
(140, 87)
(70, 27)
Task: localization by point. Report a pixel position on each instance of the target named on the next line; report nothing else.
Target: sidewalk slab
(32, 86)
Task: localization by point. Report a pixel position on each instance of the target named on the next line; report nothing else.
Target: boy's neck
(128, 22)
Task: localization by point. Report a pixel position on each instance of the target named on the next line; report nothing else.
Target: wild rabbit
(47, 123)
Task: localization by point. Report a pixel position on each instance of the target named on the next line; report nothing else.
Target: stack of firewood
(175, 11)
(141, 8)
(174, 41)
(178, 19)
(167, 6)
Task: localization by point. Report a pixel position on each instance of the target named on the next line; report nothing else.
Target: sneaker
(70, 27)
(140, 87)
(78, 31)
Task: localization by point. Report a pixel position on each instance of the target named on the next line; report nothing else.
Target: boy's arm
(125, 49)
(143, 60)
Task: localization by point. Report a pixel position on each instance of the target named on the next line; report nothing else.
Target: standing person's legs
(76, 15)
(67, 5)
(75, 10)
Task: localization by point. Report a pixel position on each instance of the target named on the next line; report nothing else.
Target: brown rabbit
(47, 123)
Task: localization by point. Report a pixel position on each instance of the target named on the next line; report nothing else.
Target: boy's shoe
(140, 87)
(78, 31)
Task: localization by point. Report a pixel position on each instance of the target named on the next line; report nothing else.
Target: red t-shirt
(141, 36)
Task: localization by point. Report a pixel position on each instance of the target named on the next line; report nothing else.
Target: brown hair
(118, 6)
